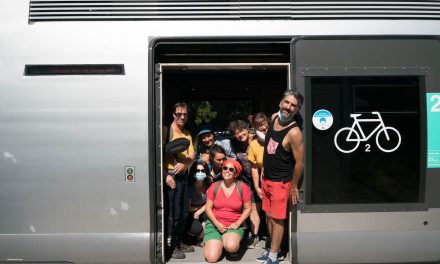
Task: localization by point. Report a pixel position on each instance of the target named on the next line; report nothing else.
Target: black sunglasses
(228, 168)
(200, 170)
(181, 114)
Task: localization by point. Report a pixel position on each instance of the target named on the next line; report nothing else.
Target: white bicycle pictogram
(349, 134)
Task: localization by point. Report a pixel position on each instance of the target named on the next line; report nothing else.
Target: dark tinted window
(357, 167)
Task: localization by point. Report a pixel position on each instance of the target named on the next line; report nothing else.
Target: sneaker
(265, 256)
(186, 248)
(269, 261)
(253, 242)
(177, 254)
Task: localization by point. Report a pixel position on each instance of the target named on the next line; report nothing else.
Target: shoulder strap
(217, 188)
(168, 134)
(240, 189)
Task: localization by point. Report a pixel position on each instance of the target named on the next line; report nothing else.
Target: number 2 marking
(367, 148)
(435, 107)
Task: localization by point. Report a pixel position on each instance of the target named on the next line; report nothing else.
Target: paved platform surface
(245, 256)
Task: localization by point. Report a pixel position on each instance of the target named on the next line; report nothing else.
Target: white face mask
(200, 176)
(261, 136)
(284, 119)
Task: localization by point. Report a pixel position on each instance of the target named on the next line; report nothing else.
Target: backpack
(239, 188)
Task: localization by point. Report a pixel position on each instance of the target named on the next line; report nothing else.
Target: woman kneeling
(228, 205)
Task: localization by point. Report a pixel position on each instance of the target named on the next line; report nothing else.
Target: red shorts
(275, 197)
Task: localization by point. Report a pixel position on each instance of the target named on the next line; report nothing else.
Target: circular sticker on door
(322, 119)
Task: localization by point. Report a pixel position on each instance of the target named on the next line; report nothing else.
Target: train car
(86, 87)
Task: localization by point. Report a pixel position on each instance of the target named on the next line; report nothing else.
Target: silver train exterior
(66, 141)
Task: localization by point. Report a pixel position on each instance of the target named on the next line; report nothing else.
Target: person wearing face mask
(197, 201)
(255, 155)
(283, 163)
(256, 149)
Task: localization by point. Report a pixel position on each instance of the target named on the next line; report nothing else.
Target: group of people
(223, 182)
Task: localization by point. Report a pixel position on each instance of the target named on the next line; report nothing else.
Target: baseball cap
(204, 130)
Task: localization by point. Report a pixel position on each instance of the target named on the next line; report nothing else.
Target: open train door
(371, 118)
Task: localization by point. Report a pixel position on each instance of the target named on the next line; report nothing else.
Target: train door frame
(160, 91)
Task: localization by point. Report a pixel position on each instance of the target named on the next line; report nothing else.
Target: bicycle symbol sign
(347, 139)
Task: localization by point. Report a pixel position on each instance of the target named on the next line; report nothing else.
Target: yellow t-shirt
(170, 160)
(256, 152)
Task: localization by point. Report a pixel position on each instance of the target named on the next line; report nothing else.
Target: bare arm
(272, 118)
(199, 212)
(256, 179)
(169, 180)
(297, 147)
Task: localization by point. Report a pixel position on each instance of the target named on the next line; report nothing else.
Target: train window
(371, 153)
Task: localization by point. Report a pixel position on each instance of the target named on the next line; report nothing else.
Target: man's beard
(284, 119)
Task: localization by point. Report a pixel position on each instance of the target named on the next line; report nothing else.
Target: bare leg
(276, 234)
(213, 250)
(255, 220)
(269, 223)
(231, 242)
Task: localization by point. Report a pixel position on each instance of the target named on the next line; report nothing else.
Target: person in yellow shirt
(176, 181)
(256, 149)
(255, 155)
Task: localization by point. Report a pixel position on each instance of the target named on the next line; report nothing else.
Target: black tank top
(278, 163)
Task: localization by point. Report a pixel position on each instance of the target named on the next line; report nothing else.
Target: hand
(178, 168)
(221, 228)
(211, 179)
(259, 192)
(170, 182)
(294, 193)
(205, 157)
(234, 226)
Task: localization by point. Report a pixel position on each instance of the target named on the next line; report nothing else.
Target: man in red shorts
(283, 162)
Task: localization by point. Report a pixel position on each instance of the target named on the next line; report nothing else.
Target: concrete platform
(245, 256)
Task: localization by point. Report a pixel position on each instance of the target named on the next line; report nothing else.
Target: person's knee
(211, 255)
(231, 245)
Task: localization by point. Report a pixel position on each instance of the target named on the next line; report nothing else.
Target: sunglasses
(198, 170)
(228, 168)
(181, 114)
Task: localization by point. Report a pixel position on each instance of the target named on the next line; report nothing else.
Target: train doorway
(231, 92)
(232, 78)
